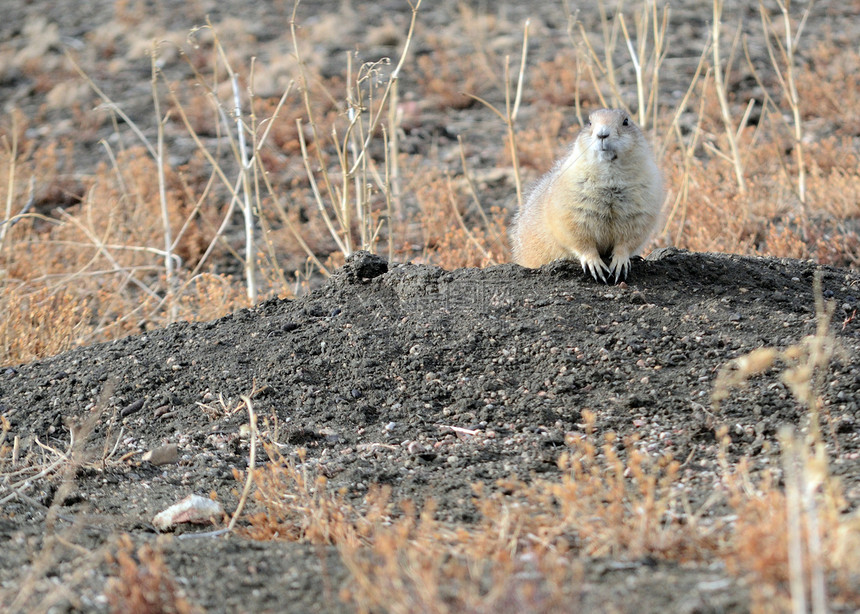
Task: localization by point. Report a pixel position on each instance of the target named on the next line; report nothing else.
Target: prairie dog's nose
(602, 132)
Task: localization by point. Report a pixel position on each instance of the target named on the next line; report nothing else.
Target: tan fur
(603, 198)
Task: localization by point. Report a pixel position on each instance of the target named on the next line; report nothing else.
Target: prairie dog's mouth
(605, 152)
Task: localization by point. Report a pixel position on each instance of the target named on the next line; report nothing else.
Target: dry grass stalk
(25, 474)
(46, 468)
(143, 584)
(512, 109)
(784, 68)
(169, 264)
(252, 463)
(347, 202)
(297, 506)
(720, 77)
(604, 505)
(646, 53)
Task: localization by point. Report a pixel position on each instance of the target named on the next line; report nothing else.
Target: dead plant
(142, 583)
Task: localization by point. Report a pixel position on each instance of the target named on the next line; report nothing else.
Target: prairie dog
(603, 198)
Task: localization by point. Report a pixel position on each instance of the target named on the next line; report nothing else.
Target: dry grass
(142, 583)
(282, 171)
(531, 544)
(42, 478)
(261, 176)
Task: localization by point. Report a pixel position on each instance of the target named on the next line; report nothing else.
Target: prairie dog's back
(602, 199)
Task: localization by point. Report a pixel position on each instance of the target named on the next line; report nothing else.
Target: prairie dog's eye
(626, 121)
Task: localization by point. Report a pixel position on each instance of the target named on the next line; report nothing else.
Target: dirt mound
(424, 380)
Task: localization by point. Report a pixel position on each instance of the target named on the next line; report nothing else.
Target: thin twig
(252, 463)
(725, 113)
(162, 189)
(487, 256)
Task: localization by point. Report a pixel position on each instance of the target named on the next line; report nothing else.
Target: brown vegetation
(274, 189)
(125, 246)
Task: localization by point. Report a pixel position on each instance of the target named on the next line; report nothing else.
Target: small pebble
(162, 455)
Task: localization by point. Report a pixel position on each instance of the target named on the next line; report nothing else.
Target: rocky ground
(370, 373)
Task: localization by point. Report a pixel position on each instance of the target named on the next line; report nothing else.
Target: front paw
(620, 266)
(593, 264)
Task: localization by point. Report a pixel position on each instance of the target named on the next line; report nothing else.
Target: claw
(620, 265)
(594, 266)
(621, 271)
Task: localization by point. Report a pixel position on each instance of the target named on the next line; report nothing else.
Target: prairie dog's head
(608, 134)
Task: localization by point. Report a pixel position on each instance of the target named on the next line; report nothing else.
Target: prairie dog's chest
(605, 198)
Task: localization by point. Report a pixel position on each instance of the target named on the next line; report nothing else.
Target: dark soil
(382, 356)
